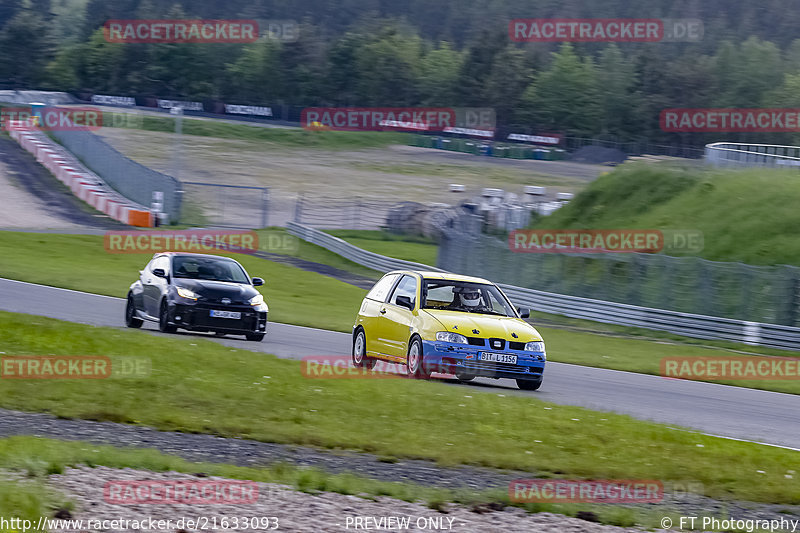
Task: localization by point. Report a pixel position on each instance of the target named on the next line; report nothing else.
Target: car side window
(406, 287)
(162, 263)
(381, 289)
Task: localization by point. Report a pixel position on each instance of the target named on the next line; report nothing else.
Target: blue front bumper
(451, 358)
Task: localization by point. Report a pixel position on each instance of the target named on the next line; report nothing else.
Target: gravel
(209, 448)
(297, 511)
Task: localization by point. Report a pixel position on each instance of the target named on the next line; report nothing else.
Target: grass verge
(293, 137)
(295, 296)
(201, 386)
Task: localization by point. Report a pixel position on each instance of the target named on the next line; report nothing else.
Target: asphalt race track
(735, 412)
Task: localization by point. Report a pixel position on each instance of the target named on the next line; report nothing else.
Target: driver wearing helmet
(468, 297)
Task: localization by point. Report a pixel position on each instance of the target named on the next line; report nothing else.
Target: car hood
(216, 290)
(486, 325)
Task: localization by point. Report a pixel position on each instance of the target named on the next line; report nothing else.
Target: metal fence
(687, 324)
(131, 179)
(683, 284)
(225, 205)
(342, 213)
(751, 155)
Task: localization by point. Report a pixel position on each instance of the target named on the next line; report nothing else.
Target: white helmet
(470, 296)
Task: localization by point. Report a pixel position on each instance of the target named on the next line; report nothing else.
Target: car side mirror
(159, 273)
(257, 282)
(405, 301)
(524, 312)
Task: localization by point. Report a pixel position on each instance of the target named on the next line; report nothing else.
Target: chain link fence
(132, 180)
(769, 294)
(215, 204)
(342, 213)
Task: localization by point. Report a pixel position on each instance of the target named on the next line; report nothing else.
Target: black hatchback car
(197, 292)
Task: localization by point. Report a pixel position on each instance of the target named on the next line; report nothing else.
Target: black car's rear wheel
(131, 320)
(258, 337)
(527, 384)
(163, 319)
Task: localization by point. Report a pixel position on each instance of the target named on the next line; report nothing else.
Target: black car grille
(516, 345)
(501, 367)
(497, 344)
(476, 341)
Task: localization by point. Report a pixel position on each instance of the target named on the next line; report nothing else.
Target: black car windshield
(465, 296)
(208, 268)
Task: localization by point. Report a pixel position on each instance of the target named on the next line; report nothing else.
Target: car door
(394, 323)
(371, 311)
(153, 285)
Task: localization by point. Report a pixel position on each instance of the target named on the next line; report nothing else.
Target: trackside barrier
(686, 324)
(82, 182)
(355, 254)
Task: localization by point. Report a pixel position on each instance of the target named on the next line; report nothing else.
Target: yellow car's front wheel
(415, 363)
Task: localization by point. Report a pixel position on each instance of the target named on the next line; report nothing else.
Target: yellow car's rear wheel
(360, 359)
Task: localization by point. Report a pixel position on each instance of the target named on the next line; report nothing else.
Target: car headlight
(186, 293)
(258, 299)
(449, 336)
(535, 346)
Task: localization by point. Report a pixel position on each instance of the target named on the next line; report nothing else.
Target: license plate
(499, 358)
(225, 314)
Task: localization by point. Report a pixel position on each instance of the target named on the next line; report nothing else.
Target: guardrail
(355, 254)
(743, 154)
(686, 324)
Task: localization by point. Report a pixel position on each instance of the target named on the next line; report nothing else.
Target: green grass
(292, 137)
(201, 386)
(749, 216)
(408, 247)
(272, 240)
(80, 262)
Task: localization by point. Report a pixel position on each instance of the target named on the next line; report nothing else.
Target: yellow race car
(447, 323)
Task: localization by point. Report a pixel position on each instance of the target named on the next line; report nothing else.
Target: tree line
(426, 53)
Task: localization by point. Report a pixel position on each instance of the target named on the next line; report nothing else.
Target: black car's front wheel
(131, 320)
(163, 319)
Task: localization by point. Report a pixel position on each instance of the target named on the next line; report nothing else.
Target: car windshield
(208, 268)
(466, 297)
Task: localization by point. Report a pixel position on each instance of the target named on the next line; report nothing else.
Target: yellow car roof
(444, 275)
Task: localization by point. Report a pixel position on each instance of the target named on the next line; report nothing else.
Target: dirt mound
(598, 155)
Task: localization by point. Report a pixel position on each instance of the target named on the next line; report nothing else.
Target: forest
(427, 53)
